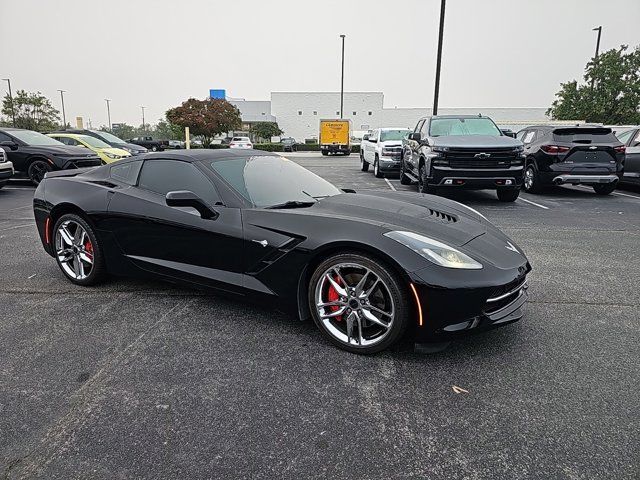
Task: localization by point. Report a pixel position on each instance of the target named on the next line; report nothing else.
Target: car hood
(474, 141)
(62, 150)
(116, 151)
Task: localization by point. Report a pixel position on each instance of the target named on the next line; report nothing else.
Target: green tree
(122, 130)
(33, 111)
(610, 94)
(168, 131)
(207, 118)
(266, 130)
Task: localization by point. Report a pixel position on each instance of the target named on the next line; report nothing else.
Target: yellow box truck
(335, 136)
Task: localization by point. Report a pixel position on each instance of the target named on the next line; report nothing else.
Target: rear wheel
(364, 164)
(358, 303)
(324, 153)
(531, 181)
(77, 251)
(37, 170)
(508, 194)
(376, 168)
(604, 188)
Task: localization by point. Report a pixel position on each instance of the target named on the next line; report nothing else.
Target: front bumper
(6, 172)
(476, 178)
(389, 164)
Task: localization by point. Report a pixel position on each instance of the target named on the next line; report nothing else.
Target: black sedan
(368, 268)
(36, 154)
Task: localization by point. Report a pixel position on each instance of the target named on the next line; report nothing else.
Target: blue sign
(219, 94)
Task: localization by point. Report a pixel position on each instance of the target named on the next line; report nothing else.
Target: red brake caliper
(332, 296)
(88, 247)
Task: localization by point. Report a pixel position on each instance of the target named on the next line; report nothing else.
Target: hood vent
(445, 217)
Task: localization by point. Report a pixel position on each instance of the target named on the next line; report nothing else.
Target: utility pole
(439, 60)
(144, 128)
(595, 59)
(13, 112)
(64, 118)
(108, 113)
(342, 79)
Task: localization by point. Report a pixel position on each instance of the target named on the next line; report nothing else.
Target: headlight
(440, 149)
(112, 156)
(435, 251)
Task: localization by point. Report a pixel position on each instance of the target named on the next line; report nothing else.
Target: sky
(158, 53)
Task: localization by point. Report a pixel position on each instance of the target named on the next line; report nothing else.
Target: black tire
(604, 188)
(396, 289)
(347, 153)
(423, 182)
(324, 153)
(98, 271)
(364, 164)
(376, 168)
(37, 170)
(154, 149)
(531, 182)
(404, 180)
(508, 194)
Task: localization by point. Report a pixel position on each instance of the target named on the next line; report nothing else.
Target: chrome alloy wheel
(528, 178)
(74, 250)
(354, 304)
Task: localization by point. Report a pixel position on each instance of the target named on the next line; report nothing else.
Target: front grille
(89, 162)
(446, 217)
(489, 163)
(494, 157)
(504, 295)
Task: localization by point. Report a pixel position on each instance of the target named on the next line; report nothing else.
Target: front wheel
(508, 194)
(77, 250)
(604, 188)
(423, 182)
(358, 303)
(37, 170)
(364, 164)
(376, 168)
(531, 181)
(404, 180)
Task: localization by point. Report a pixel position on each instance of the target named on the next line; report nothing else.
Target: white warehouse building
(298, 113)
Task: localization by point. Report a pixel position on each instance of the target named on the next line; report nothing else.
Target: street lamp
(595, 59)
(13, 112)
(108, 113)
(342, 79)
(144, 129)
(439, 60)
(64, 118)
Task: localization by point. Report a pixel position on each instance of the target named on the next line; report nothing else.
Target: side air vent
(445, 217)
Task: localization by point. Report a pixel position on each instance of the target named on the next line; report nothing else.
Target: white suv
(382, 148)
(6, 168)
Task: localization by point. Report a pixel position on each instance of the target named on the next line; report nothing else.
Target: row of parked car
(471, 152)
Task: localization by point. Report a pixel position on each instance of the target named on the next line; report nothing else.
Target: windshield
(108, 137)
(93, 141)
(34, 138)
(268, 180)
(463, 126)
(386, 135)
(240, 139)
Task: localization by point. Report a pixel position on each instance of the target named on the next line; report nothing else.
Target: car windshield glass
(108, 137)
(34, 138)
(269, 180)
(462, 126)
(386, 135)
(93, 141)
(240, 139)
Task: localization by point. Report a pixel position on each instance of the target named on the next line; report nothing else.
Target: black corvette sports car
(368, 268)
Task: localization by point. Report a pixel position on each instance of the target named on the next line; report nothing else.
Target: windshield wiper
(292, 204)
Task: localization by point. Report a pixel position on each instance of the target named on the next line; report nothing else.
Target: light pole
(144, 129)
(108, 113)
(342, 79)
(439, 60)
(595, 59)
(13, 112)
(64, 118)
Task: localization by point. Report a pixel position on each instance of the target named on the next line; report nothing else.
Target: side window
(424, 131)
(163, 176)
(127, 172)
(5, 138)
(418, 126)
(529, 137)
(69, 141)
(520, 134)
(624, 137)
(636, 141)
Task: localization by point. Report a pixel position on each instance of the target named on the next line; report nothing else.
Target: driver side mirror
(9, 144)
(185, 198)
(415, 136)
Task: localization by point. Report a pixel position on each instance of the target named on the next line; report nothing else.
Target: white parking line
(533, 203)
(612, 193)
(389, 183)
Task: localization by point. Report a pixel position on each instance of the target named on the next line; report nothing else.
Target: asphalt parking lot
(135, 379)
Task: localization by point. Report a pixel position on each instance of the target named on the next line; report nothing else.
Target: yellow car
(106, 152)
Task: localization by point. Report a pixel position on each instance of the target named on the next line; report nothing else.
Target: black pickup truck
(464, 152)
(150, 143)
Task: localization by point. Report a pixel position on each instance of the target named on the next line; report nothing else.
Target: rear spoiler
(582, 130)
(71, 172)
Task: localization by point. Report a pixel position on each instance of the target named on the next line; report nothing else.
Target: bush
(308, 147)
(268, 147)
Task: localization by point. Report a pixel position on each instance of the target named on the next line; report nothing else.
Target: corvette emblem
(510, 246)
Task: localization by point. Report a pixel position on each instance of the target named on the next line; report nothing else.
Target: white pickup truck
(382, 148)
